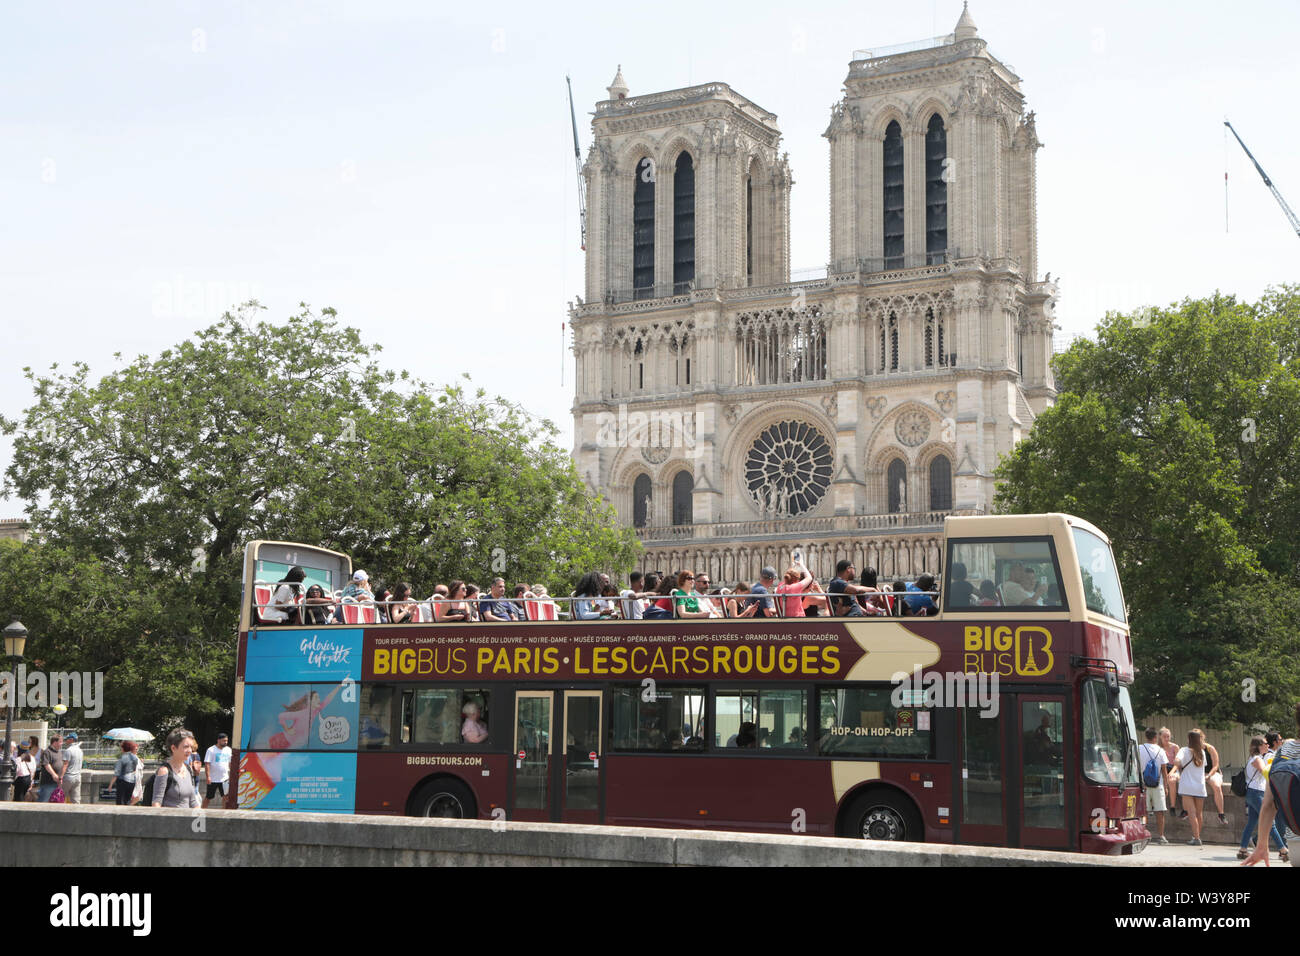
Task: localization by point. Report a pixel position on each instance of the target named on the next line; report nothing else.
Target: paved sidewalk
(1180, 854)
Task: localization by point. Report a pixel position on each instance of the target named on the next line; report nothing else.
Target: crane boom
(577, 159)
(1291, 217)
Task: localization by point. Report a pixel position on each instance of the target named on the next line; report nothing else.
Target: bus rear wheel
(444, 798)
(882, 815)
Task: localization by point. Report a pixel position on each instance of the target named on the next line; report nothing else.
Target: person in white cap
(358, 590)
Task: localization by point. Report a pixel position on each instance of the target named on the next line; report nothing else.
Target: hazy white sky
(410, 163)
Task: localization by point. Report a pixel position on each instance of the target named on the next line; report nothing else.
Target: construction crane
(577, 159)
(1290, 216)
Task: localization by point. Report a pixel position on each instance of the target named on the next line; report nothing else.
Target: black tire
(444, 797)
(883, 815)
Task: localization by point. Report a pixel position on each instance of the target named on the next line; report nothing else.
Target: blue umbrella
(128, 733)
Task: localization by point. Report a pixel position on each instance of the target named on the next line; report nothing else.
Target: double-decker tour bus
(1004, 719)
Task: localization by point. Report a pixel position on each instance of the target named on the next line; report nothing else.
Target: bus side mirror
(1112, 688)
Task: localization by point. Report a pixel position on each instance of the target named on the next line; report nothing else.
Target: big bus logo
(1023, 651)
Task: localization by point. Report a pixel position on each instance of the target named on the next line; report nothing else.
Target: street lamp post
(15, 641)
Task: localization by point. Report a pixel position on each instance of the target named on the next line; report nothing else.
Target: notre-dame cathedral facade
(731, 414)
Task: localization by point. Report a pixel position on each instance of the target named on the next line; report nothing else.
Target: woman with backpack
(1256, 773)
(1191, 762)
(1283, 794)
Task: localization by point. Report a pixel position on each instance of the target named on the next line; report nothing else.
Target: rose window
(788, 469)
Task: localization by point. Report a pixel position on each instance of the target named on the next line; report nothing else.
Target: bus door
(557, 756)
(1013, 769)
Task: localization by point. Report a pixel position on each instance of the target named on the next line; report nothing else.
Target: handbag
(58, 796)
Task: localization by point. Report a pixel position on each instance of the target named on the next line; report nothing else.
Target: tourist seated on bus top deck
(588, 606)
(1023, 586)
(962, 592)
(713, 605)
(382, 598)
(632, 600)
(496, 607)
(662, 606)
(284, 602)
(918, 601)
(317, 609)
(843, 591)
(762, 591)
(796, 580)
(738, 603)
(473, 599)
(403, 610)
(686, 602)
(358, 589)
(455, 608)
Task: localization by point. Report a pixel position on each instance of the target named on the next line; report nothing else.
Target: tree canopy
(143, 487)
(1177, 432)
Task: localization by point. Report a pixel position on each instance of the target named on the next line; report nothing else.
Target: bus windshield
(1108, 737)
(1100, 580)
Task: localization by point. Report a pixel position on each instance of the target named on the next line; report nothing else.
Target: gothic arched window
(893, 342)
(893, 198)
(936, 192)
(683, 485)
(643, 229)
(940, 484)
(641, 501)
(929, 338)
(896, 480)
(683, 223)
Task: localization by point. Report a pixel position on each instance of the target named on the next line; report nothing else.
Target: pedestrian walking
(218, 762)
(127, 773)
(1256, 778)
(174, 785)
(72, 768)
(1281, 797)
(53, 761)
(24, 766)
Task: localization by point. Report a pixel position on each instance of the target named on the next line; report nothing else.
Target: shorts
(1217, 778)
(216, 788)
(1156, 799)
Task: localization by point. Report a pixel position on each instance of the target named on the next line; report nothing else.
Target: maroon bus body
(744, 790)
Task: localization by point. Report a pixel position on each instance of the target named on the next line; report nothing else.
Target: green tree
(1178, 433)
(144, 486)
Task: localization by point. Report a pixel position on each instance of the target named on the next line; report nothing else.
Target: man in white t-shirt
(1151, 750)
(217, 760)
(632, 606)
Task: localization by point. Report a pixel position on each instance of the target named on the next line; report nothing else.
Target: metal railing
(928, 43)
(879, 603)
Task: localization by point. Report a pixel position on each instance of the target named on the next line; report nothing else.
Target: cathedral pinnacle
(966, 28)
(618, 89)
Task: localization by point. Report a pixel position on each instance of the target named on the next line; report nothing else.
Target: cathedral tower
(731, 414)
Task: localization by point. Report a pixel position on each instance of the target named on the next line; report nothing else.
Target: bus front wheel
(444, 798)
(883, 815)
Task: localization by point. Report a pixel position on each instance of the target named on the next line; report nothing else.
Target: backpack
(1284, 782)
(1239, 782)
(1151, 772)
